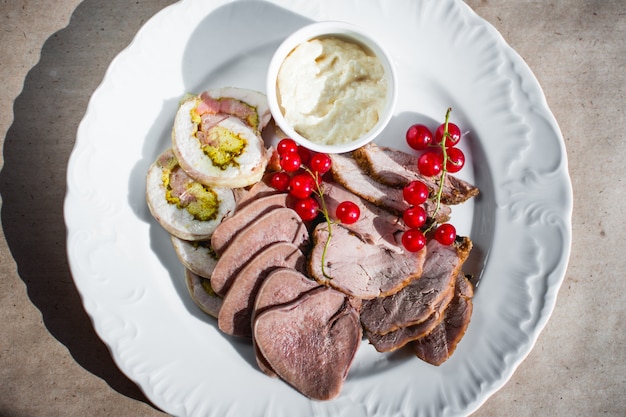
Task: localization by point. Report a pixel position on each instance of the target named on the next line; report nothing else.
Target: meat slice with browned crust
(400, 337)
(279, 225)
(375, 225)
(396, 169)
(417, 301)
(349, 173)
(359, 268)
(311, 342)
(235, 317)
(437, 347)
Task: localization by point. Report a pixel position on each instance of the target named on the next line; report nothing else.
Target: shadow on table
(33, 180)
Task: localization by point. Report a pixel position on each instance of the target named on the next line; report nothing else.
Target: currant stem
(330, 233)
(324, 210)
(444, 171)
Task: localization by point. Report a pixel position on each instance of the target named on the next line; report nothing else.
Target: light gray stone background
(53, 55)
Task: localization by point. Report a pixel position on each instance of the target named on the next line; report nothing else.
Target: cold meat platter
(132, 284)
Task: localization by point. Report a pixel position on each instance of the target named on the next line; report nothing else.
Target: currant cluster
(302, 172)
(439, 156)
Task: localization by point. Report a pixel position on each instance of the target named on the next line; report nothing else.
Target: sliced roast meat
(403, 335)
(440, 344)
(375, 225)
(417, 301)
(311, 342)
(358, 268)
(230, 227)
(349, 173)
(281, 286)
(279, 225)
(235, 316)
(396, 169)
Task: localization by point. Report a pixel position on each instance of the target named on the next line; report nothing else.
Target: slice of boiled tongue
(243, 216)
(311, 342)
(281, 286)
(235, 317)
(279, 225)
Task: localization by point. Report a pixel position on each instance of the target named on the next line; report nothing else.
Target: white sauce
(331, 90)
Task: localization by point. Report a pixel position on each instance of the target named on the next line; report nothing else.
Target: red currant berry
(413, 240)
(430, 163)
(301, 185)
(348, 212)
(455, 161)
(290, 162)
(415, 193)
(305, 154)
(418, 137)
(286, 146)
(445, 234)
(454, 134)
(414, 217)
(307, 208)
(320, 163)
(280, 181)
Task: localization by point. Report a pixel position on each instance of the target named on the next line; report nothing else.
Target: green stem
(444, 171)
(320, 194)
(327, 244)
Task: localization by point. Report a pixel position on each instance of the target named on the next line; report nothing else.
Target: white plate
(132, 284)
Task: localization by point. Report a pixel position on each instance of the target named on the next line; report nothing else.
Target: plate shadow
(33, 179)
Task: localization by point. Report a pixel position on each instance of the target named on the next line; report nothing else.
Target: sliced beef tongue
(235, 316)
(281, 286)
(437, 347)
(358, 268)
(396, 169)
(350, 174)
(244, 196)
(416, 302)
(279, 225)
(311, 342)
(243, 216)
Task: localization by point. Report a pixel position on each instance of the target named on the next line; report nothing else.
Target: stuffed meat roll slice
(184, 207)
(217, 149)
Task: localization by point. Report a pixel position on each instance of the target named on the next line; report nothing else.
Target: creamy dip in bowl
(331, 88)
